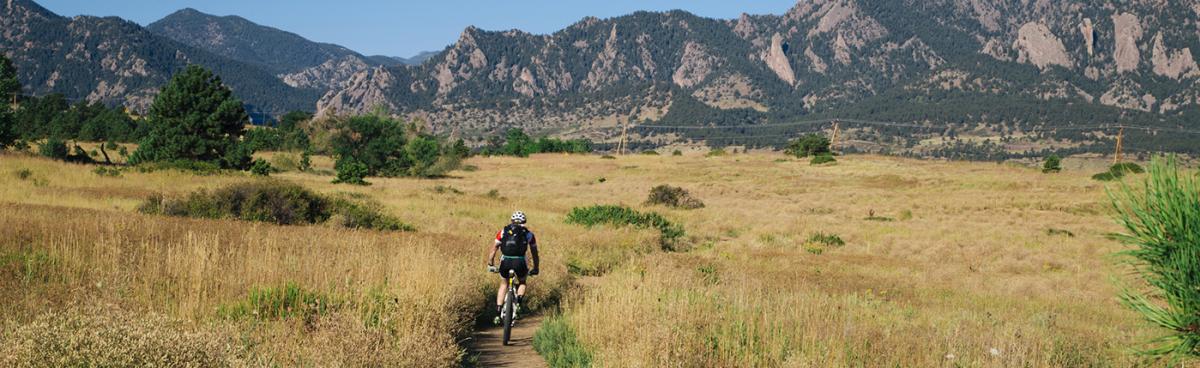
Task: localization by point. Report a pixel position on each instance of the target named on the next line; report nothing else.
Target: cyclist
(513, 241)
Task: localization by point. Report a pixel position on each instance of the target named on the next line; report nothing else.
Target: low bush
(676, 153)
(365, 215)
(111, 172)
(822, 159)
(715, 152)
(1053, 231)
(276, 202)
(622, 216)
(54, 148)
(23, 174)
(829, 240)
(1117, 171)
(260, 167)
(557, 343)
(1052, 164)
(673, 197)
(650, 153)
(194, 167)
(608, 157)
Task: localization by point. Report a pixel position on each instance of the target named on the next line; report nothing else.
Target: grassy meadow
(940, 264)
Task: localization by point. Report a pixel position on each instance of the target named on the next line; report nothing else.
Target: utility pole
(1120, 136)
(624, 131)
(833, 141)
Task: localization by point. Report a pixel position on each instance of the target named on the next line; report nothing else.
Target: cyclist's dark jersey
(518, 264)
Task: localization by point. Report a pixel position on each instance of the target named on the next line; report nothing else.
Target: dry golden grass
(966, 265)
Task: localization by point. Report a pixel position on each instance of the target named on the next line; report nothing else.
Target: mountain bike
(508, 313)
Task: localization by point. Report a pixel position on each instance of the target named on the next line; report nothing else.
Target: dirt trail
(489, 351)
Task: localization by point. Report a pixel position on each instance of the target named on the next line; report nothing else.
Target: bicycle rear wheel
(507, 317)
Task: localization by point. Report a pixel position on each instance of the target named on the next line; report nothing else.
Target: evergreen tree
(196, 118)
(9, 87)
(1053, 164)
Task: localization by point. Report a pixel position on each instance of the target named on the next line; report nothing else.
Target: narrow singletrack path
(488, 349)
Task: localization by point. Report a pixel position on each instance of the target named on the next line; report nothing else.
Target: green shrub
(1106, 176)
(650, 153)
(1159, 220)
(822, 159)
(829, 240)
(808, 145)
(261, 168)
(276, 202)
(608, 157)
(1117, 171)
(1126, 168)
(365, 215)
(279, 303)
(54, 148)
(715, 152)
(107, 171)
(622, 216)
(676, 153)
(23, 174)
(1053, 164)
(673, 197)
(305, 161)
(557, 344)
(350, 171)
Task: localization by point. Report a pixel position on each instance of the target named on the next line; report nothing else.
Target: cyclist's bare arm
(492, 257)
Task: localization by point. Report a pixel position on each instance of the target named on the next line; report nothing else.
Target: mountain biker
(513, 241)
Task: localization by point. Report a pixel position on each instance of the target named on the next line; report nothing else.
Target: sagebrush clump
(673, 197)
(276, 202)
(621, 216)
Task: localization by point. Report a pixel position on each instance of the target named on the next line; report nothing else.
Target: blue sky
(403, 28)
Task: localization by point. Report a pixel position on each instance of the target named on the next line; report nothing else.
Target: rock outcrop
(694, 66)
(364, 92)
(1127, 32)
(1172, 64)
(1036, 45)
(777, 60)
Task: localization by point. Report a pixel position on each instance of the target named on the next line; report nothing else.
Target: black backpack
(514, 241)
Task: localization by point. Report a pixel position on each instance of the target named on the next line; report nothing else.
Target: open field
(961, 264)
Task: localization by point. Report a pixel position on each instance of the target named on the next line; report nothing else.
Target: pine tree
(1160, 220)
(9, 87)
(196, 118)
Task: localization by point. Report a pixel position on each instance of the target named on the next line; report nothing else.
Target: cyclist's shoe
(496, 321)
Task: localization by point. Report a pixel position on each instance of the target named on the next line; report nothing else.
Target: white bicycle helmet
(518, 217)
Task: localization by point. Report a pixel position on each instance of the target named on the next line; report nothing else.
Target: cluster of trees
(284, 135)
(378, 145)
(516, 143)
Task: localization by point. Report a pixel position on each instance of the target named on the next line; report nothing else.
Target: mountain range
(950, 67)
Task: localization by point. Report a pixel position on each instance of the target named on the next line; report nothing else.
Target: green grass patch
(29, 266)
(279, 303)
(829, 240)
(557, 343)
(624, 216)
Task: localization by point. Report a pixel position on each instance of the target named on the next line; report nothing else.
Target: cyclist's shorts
(515, 264)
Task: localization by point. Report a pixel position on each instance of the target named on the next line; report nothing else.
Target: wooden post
(1120, 136)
